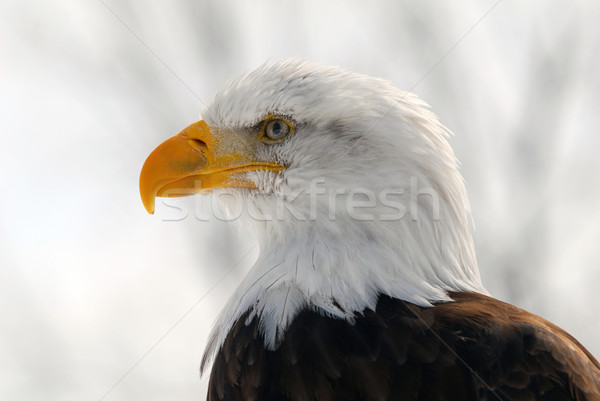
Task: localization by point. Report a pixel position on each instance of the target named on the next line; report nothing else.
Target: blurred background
(101, 301)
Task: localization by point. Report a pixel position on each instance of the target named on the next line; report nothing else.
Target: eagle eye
(276, 129)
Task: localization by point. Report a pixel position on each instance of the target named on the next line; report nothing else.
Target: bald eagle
(366, 286)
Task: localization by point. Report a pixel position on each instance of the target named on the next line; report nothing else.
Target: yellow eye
(277, 129)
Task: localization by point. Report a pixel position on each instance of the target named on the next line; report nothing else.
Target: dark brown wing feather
(476, 348)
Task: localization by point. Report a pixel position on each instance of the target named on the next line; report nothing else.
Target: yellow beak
(197, 160)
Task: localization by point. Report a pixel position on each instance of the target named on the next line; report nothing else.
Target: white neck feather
(339, 266)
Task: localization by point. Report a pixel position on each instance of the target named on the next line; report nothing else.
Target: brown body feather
(475, 348)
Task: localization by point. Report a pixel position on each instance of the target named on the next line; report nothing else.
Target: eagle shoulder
(475, 348)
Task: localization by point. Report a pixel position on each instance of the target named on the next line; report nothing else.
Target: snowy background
(101, 301)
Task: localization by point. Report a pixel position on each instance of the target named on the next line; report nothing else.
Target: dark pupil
(277, 128)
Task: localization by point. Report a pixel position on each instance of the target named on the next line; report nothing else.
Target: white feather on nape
(353, 133)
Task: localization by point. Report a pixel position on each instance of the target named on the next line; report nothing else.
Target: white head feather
(357, 139)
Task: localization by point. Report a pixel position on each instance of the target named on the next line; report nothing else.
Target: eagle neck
(340, 270)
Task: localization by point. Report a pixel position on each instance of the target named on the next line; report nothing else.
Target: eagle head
(349, 184)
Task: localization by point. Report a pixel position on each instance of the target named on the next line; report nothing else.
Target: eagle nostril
(198, 144)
